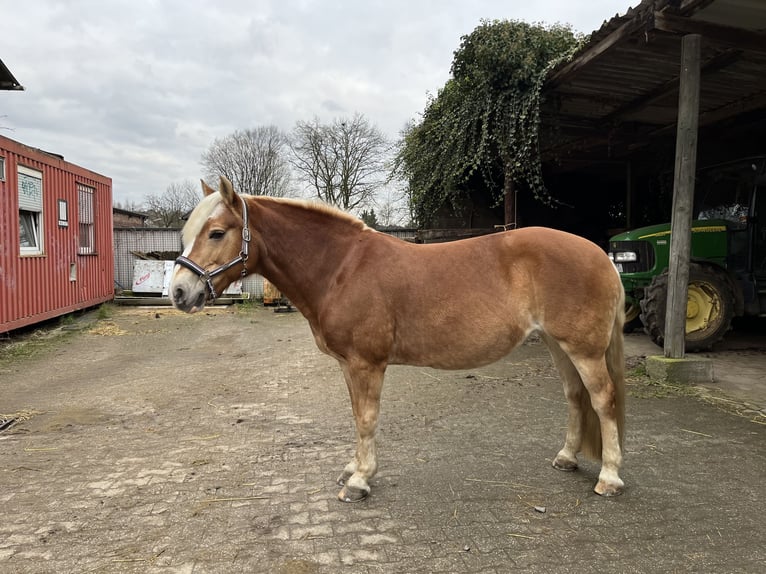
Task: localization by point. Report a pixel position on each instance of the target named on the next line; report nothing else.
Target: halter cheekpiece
(207, 276)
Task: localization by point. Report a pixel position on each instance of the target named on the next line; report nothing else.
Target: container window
(86, 219)
(29, 231)
(63, 213)
(2, 169)
(30, 211)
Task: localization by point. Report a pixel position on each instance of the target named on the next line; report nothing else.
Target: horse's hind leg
(365, 383)
(604, 439)
(592, 423)
(574, 391)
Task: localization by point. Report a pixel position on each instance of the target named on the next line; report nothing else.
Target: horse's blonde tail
(615, 364)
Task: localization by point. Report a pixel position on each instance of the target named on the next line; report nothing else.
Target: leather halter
(207, 276)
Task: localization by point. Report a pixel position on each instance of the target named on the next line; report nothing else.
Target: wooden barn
(55, 236)
(608, 118)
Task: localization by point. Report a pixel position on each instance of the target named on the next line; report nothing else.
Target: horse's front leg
(365, 382)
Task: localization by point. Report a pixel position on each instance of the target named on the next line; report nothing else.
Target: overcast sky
(137, 89)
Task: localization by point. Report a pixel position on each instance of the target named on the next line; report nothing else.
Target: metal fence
(165, 244)
(129, 241)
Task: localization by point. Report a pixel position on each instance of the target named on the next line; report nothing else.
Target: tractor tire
(632, 318)
(709, 307)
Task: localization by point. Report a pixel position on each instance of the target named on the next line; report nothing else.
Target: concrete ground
(739, 366)
(159, 442)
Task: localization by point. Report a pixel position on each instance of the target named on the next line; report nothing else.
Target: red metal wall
(34, 288)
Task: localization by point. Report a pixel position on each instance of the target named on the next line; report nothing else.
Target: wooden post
(683, 195)
(509, 203)
(629, 194)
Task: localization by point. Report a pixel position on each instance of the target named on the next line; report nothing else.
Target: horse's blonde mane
(205, 208)
(319, 207)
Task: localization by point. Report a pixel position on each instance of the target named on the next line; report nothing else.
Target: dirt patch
(173, 443)
(65, 419)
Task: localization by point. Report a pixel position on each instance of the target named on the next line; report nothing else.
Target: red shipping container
(56, 253)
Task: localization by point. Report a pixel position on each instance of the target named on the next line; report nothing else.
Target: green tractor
(727, 273)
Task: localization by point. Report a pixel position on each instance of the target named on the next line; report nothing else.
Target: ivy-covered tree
(484, 122)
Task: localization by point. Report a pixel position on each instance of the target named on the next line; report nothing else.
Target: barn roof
(7, 81)
(619, 94)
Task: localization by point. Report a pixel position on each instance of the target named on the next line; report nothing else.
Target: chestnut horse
(373, 300)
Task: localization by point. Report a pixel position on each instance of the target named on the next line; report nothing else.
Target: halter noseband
(207, 276)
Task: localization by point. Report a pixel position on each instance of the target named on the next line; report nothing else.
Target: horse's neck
(302, 250)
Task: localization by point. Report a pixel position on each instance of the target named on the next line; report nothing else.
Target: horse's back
(528, 265)
(469, 302)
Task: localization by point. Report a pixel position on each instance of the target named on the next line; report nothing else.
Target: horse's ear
(227, 191)
(206, 189)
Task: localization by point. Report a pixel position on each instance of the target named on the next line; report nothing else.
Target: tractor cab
(727, 274)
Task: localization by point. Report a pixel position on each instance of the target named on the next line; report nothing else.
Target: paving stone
(206, 444)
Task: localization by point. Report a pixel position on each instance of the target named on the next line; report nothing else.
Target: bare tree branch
(343, 163)
(254, 160)
(169, 209)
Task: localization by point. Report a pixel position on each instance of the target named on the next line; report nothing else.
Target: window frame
(29, 227)
(86, 219)
(35, 213)
(63, 213)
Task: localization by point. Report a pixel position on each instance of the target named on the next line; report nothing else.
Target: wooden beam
(718, 62)
(687, 6)
(739, 38)
(737, 107)
(683, 195)
(585, 58)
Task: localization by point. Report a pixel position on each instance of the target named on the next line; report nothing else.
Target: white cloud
(136, 90)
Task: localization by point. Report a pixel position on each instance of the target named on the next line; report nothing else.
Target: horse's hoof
(608, 489)
(353, 494)
(343, 478)
(564, 464)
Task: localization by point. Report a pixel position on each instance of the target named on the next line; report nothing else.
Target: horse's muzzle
(188, 299)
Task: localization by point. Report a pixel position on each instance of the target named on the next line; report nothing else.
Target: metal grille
(86, 220)
(140, 240)
(128, 241)
(644, 253)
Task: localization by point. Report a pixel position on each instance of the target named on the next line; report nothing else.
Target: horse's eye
(216, 234)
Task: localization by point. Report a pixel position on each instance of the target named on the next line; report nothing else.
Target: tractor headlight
(624, 256)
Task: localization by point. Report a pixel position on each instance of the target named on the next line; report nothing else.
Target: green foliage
(485, 120)
(249, 305)
(369, 218)
(105, 311)
(67, 319)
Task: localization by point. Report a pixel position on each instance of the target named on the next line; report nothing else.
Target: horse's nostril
(178, 294)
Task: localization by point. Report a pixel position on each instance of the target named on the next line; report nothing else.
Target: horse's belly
(455, 350)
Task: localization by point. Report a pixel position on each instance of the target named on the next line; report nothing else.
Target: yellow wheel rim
(703, 307)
